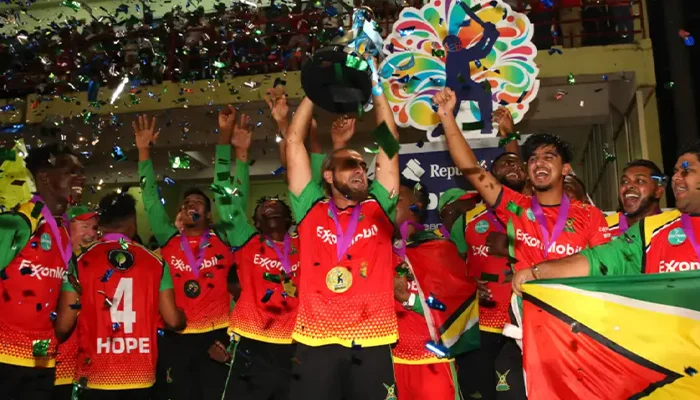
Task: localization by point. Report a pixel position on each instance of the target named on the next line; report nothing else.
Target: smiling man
(199, 260)
(36, 250)
(661, 243)
(547, 225)
(641, 189)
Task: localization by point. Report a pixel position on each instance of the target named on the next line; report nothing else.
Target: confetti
(180, 162)
(118, 153)
(685, 165)
(571, 79)
(554, 50)
(687, 37)
(40, 348)
(372, 151)
(168, 181)
(434, 303)
(115, 326)
(690, 371)
(386, 140)
(267, 296)
(485, 276)
(93, 88)
(276, 278)
(76, 306)
(279, 171)
(53, 315)
(439, 350)
(160, 332)
(107, 275)
(119, 89)
(560, 94)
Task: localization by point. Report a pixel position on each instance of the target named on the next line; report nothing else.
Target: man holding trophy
(346, 321)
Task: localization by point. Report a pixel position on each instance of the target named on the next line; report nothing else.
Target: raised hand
(504, 119)
(242, 133)
(143, 132)
(342, 130)
(446, 101)
(276, 99)
(227, 117)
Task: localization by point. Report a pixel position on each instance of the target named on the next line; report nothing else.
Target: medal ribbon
(558, 225)
(283, 255)
(498, 225)
(690, 233)
(344, 239)
(444, 232)
(67, 250)
(622, 225)
(403, 230)
(185, 244)
(115, 237)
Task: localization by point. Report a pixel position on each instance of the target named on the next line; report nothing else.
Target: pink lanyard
(558, 225)
(283, 255)
(67, 250)
(344, 238)
(202, 244)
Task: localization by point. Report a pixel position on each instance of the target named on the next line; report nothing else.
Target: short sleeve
(307, 198)
(511, 203)
(599, 231)
(619, 257)
(385, 199)
(166, 282)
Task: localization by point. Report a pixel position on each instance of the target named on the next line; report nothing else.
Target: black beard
(518, 187)
(349, 193)
(645, 205)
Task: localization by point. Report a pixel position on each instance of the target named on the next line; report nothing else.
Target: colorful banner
(481, 49)
(16, 183)
(626, 337)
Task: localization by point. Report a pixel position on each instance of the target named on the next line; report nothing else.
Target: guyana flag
(627, 337)
(442, 279)
(16, 183)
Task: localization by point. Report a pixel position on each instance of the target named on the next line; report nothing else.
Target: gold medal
(339, 279)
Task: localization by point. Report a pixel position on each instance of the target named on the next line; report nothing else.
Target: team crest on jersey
(192, 289)
(120, 259)
(530, 215)
(569, 227)
(45, 241)
(676, 237)
(502, 385)
(482, 226)
(339, 279)
(390, 392)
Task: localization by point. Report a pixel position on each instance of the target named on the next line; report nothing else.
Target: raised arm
(14, 235)
(387, 171)
(158, 219)
(486, 184)
(298, 165)
(276, 99)
(242, 137)
(506, 129)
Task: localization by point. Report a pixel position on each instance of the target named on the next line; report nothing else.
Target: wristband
(377, 90)
(511, 137)
(536, 272)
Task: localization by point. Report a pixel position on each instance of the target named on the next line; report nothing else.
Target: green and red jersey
(613, 221)
(584, 227)
(32, 271)
(118, 322)
(657, 244)
(267, 307)
(480, 222)
(349, 300)
(204, 298)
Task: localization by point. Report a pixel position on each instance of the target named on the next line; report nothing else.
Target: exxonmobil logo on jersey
(555, 248)
(182, 266)
(327, 236)
(678, 266)
(271, 263)
(39, 271)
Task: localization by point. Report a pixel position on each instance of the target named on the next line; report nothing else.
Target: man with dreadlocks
(199, 259)
(435, 304)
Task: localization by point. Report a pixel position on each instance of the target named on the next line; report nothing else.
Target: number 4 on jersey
(126, 317)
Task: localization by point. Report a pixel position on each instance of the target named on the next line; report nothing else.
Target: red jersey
(667, 247)
(205, 300)
(118, 320)
(29, 290)
(67, 361)
(479, 223)
(585, 227)
(351, 299)
(273, 319)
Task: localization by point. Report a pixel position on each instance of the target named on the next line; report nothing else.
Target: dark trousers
(190, 373)
(260, 371)
(334, 372)
(509, 370)
(128, 394)
(26, 383)
(476, 370)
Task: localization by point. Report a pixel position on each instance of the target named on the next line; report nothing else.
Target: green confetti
(571, 79)
(124, 245)
(40, 348)
(272, 277)
(514, 208)
(402, 270)
(471, 126)
(72, 4)
(356, 63)
(438, 53)
(386, 140)
(485, 276)
(371, 151)
(7, 155)
(180, 162)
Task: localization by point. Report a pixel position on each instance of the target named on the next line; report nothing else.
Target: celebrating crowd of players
(230, 309)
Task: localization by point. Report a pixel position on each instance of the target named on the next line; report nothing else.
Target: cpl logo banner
(481, 49)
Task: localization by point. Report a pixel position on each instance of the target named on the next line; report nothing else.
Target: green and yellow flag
(627, 337)
(16, 183)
